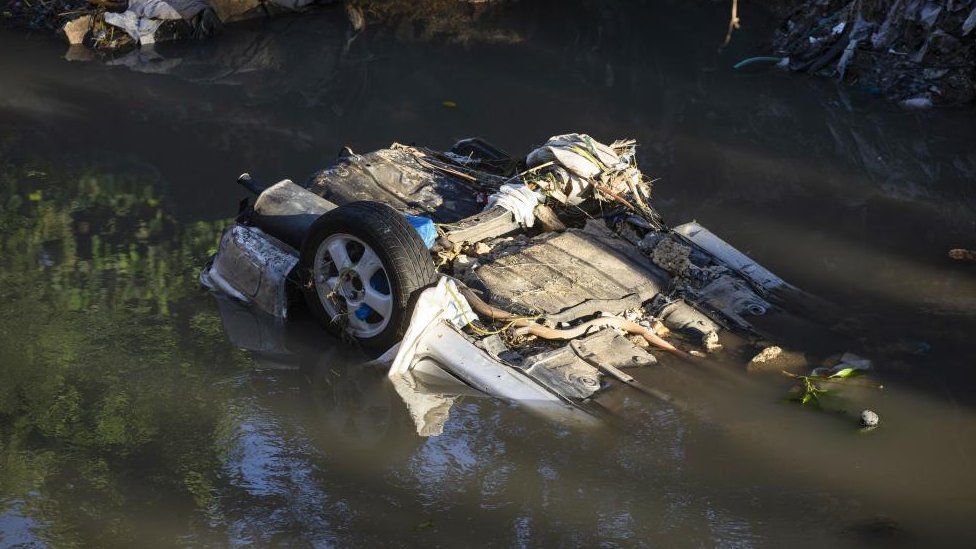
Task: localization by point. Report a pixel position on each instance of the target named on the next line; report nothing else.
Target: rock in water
(766, 355)
(869, 419)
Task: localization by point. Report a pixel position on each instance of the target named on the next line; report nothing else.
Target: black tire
(404, 257)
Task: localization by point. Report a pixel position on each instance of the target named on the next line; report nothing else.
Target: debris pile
(148, 21)
(109, 25)
(918, 52)
(961, 254)
(117, 24)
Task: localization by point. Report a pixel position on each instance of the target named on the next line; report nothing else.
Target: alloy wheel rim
(353, 285)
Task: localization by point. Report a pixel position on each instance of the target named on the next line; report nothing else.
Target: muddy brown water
(130, 414)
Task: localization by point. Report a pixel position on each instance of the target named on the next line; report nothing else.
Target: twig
(733, 22)
(606, 190)
(530, 170)
(446, 169)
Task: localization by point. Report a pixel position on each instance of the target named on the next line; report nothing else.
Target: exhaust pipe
(245, 180)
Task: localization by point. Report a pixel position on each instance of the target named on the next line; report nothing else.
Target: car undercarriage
(545, 281)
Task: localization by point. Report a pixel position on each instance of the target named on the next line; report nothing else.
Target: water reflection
(129, 411)
(93, 277)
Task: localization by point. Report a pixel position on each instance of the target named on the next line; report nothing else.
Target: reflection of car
(540, 281)
(348, 397)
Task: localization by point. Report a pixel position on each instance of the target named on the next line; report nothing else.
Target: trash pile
(961, 254)
(108, 25)
(918, 52)
(117, 24)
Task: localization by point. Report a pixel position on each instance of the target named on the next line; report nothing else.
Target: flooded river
(131, 415)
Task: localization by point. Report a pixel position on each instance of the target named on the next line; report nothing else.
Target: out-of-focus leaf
(846, 373)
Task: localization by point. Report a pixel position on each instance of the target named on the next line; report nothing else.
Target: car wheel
(362, 266)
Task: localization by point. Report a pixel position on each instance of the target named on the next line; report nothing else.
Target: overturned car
(541, 281)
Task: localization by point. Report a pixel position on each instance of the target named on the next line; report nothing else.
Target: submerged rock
(775, 359)
(766, 355)
(76, 29)
(869, 419)
(711, 342)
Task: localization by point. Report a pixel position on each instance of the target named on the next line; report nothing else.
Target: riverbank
(917, 53)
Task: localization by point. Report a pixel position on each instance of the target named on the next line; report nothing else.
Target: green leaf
(846, 373)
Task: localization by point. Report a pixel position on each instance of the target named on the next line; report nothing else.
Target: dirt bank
(920, 53)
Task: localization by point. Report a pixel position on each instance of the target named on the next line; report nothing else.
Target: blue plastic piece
(363, 312)
(425, 228)
(379, 283)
